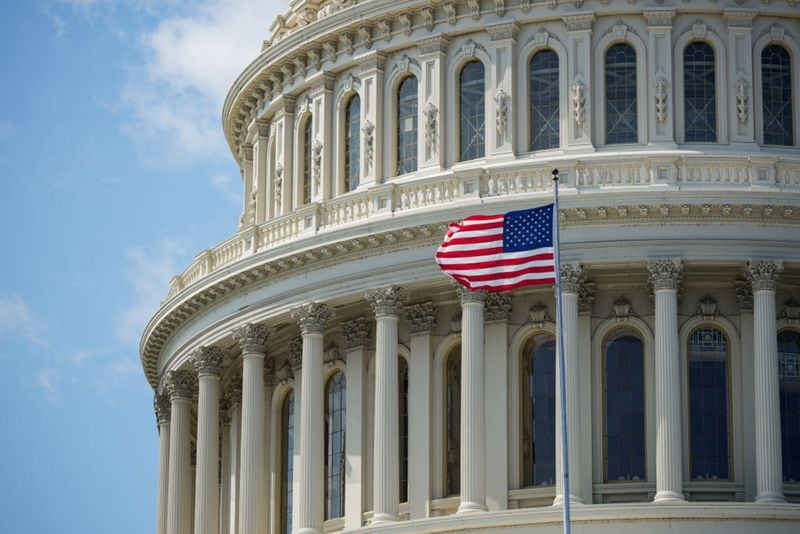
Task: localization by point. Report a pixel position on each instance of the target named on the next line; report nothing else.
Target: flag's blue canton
(528, 229)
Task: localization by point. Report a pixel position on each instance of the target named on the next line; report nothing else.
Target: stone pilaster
(580, 112)
(180, 385)
(234, 397)
(372, 76)
(162, 406)
(432, 90)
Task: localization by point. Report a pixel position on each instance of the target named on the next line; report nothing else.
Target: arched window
(403, 404)
(621, 120)
(352, 142)
(452, 415)
(776, 91)
(276, 186)
(308, 128)
(407, 126)
(709, 439)
(287, 457)
(699, 93)
(335, 411)
(539, 411)
(544, 96)
(789, 379)
(472, 111)
(623, 400)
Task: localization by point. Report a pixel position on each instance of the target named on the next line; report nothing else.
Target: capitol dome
(317, 372)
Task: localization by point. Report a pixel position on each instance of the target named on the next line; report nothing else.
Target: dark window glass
(621, 122)
(403, 391)
(539, 411)
(453, 422)
(776, 90)
(708, 405)
(352, 142)
(623, 399)
(699, 92)
(307, 147)
(287, 448)
(335, 412)
(789, 377)
(407, 126)
(544, 100)
(472, 111)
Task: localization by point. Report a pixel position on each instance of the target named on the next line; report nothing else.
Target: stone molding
(207, 361)
(497, 306)
(181, 384)
(763, 275)
(252, 338)
(421, 318)
(665, 274)
(355, 333)
(387, 300)
(312, 317)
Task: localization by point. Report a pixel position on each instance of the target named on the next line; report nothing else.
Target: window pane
(334, 445)
(699, 88)
(623, 394)
(453, 422)
(403, 391)
(776, 90)
(621, 122)
(472, 111)
(708, 404)
(407, 126)
(789, 377)
(539, 411)
(352, 142)
(544, 100)
(287, 446)
(307, 147)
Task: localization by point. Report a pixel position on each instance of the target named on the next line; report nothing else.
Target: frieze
(739, 18)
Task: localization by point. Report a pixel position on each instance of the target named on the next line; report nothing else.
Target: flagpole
(560, 351)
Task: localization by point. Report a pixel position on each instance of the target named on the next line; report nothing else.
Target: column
(234, 394)
(324, 130)
(252, 339)
(387, 304)
(432, 94)
(740, 68)
(162, 407)
(659, 66)
(577, 122)
(259, 195)
(180, 385)
(763, 276)
(421, 321)
(312, 318)
(572, 277)
(225, 459)
(665, 278)
(207, 361)
(501, 89)
(355, 334)
(473, 455)
(497, 309)
(371, 116)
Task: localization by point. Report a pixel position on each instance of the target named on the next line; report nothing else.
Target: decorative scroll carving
(316, 162)
(403, 63)
(665, 274)
(355, 333)
(450, 12)
(252, 337)
(579, 102)
(501, 100)
(163, 408)
(500, 8)
(385, 28)
(431, 114)
(312, 317)
(365, 32)
(369, 141)
(405, 22)
(329, 47)
(427, 18)
(763, 275)
(572, 276)
(707, 307)
(525, 6)
(497, 306)
(620, 30)
(474, 9)
(180, 384)
(742, 107)
(347, 42)
(661, 98)
(207, 360)
(349, 82)
(421, 318)
(387, 300)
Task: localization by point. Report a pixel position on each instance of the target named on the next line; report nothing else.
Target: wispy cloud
(17, 320)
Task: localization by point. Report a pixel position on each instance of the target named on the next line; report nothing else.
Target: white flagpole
(560, 345)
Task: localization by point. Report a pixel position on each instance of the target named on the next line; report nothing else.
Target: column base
(667, 497)
(382, 518)
(770, 497)
(573, 499)
(471, 508)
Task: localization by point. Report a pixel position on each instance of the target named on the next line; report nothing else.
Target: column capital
(433, 45)
(421, 318)
(387, 300)
(163, 407)
(659, 17)
(181, 384)
(465, 295)
(572, 277)
(252, 337)
(763, 274)
(506, 31)
(312, 317)
(497, 306)
(740, 18)
(355, 333)
(587, 294)
(207, 361)
(665, 274)
(233, 391)
(579, 22)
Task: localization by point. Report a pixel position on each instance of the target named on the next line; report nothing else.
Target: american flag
(500, 252)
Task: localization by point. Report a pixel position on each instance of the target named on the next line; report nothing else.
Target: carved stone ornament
(525, 6)
(355, 333)
(312, 317)
(224, 412)
(365, 33)
(421, 318)
(763, 275)
(659, 17)
(708, 307)
(665, 274)
(538, 314)
(403, 64)
(455, 323)
(620, 30)
(233, 391)
(744, 294)
(586, 297)
(332, 355)
(285, 373)
(427, 17)
(661, 98)
(579, 103)
(181, 384)
(474, 9)
(466, 295)
(501, 101)
(348, 82)
(296, 353)
(552, 4)
(385, 28)
(577, 3)
(207, 360)
(387, 300)
(314, 59)
(405, 22)
(450, 12)
(572, 276)
(369, 141)
(252, 337)
(791, 311)
(742, 107)
(497, 306)
(431, 115)
(469, 48)
(777, 32)
(347, 43)
(163, 407)
(269, 371)
(699, 29)
(500, 8)
(621, 309)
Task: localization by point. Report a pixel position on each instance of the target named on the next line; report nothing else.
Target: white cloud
(18, 321)
(49, 379)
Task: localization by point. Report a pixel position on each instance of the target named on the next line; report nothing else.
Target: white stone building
(328, 377)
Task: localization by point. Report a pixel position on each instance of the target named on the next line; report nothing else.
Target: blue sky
(114, 174)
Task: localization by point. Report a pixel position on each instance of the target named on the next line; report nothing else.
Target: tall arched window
(335, 412)
(352, 143)
(472, 111)
(308, 129)
(403, 404)
(452, 415)
(776, 91)
(789, 380)
(544, 96)
(539, 411)
(709, 439)
(621, 119)
(623, 400)
(287, 459)
(699, 93)
(407, 126)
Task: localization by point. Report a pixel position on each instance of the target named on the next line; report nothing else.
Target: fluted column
(571, 280)
(665, 278)
(206, 361)
(180, 385)
(311, 318)
(763, 276)
(162, 407)
(473, 450)
(387, 304)
(252, 339)
(234, 394)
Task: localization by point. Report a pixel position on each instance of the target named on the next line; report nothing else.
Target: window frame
(791, 46)
(394, 106)
(457, 105)
(328, 378)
